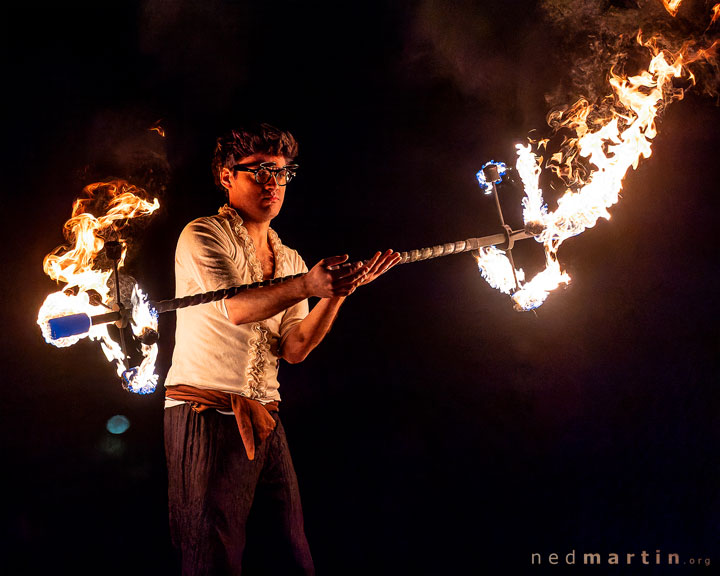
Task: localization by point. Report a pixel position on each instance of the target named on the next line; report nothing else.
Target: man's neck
(258, 231)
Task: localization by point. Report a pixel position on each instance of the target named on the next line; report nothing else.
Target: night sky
(436, 430)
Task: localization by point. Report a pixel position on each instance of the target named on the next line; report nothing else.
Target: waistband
(254, 420)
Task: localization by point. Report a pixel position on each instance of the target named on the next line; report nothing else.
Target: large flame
(593, 163)
(86, 288)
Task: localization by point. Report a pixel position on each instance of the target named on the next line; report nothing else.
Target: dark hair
(237, 144)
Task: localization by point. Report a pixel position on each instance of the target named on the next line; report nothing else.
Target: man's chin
(271, 210)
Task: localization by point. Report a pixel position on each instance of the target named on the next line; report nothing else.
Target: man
(228, 460)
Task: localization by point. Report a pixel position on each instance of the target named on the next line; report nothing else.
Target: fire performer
(227, 455)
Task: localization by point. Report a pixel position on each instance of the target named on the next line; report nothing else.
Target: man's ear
(225, 176)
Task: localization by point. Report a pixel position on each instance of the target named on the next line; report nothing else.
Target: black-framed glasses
(267, 170)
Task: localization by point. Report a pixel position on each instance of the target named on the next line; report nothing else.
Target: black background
(436, 430)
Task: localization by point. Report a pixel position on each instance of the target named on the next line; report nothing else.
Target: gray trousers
(230, 515)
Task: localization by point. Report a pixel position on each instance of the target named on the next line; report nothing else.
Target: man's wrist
(305, 291)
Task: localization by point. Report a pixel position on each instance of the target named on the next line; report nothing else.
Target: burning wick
(73, 313)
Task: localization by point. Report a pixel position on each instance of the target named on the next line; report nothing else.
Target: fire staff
(229, 468)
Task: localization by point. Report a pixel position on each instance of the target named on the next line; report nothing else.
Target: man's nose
(272, 183)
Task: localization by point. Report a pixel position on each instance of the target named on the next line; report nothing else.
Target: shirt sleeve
(204, 261)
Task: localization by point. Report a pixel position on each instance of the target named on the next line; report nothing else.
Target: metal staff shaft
(438, 251)
(64, 326)
(464, 246)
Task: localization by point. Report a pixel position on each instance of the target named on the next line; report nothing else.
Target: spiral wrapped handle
(215, 295)
(450, 248)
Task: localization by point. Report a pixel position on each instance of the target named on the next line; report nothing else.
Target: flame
(87, 290)
(157, 127)
(715, 14)
(142, 379)
(672, 6)
(495, 267)
(610, 145)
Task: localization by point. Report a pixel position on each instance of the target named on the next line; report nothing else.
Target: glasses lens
(262, 176)
(283, 177)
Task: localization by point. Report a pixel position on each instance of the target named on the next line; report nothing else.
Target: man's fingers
(345, 277)
(385, 262)
(381, 262)
(350, 279)
(390, 261)
(334, 260)
(347, 270)
(373, 261)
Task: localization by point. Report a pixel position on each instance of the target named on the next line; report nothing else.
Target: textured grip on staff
(446, 249)
(215, 295)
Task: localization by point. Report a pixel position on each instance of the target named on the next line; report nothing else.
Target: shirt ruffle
(260, 342)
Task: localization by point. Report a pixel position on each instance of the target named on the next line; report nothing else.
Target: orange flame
(157, 127)
(672, 6)
(87, 290)
(87, 232)
(715, 14)
(610, 145)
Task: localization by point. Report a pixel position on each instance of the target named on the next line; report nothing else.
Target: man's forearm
(309, 333)
(262, 303)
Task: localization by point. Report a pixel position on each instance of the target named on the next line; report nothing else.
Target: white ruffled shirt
(213, 253)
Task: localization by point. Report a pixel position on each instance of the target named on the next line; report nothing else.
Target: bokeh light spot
(117, 424)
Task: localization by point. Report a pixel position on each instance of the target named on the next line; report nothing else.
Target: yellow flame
(75, 265)
(610, 146)
(612, 149)
(497, 270)
(672, 6)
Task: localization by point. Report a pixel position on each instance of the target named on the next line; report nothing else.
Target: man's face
(254, 202)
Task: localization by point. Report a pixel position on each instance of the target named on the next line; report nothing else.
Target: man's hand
(329, 279)
(333, 277)
(378, 265)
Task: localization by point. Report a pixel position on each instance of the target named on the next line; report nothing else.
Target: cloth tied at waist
(254, 420)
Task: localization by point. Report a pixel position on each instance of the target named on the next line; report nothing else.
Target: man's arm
(325, 280)
(306, 335)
